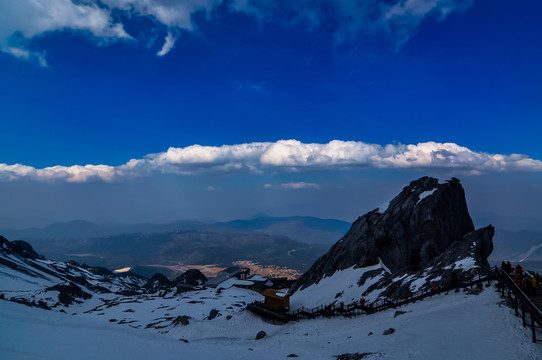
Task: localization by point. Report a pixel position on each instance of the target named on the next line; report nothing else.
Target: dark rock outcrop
(183, 320)
(19, 247)
(260, 335)
(389, 331)
(212, 314)
(356, 356)
(156, 283)
(192, 277)
(426, 226)
(67, 293)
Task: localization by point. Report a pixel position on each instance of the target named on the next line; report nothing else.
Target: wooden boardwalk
(355, 308)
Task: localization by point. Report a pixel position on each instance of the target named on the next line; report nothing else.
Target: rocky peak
(407, 234)
(192, 277)
(157, 282)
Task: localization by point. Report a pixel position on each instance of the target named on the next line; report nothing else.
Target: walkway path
(355, 308)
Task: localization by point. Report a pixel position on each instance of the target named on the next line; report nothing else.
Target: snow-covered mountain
(31, 279)
(82, 312)
(453, 326)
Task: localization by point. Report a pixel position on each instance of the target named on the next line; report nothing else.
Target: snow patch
(425, 194)
(342, 281)
(383, 266)
(466, 264)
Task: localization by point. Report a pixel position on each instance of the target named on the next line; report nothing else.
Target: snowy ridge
(40, 282)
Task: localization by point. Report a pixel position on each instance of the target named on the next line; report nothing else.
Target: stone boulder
(67, 293)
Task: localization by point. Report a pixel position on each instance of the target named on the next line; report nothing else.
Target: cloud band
(284, 156)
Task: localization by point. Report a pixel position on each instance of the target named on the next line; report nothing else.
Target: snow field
(454, 326)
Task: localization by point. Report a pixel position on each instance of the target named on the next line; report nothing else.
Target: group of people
(525, 281)
(330, 307)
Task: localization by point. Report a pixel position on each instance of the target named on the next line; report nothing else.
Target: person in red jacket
(517, 279)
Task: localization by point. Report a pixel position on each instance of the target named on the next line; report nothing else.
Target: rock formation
(192, 277)
(156, 283)
(427, 226)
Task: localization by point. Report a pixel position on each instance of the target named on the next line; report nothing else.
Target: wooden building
(277, 300)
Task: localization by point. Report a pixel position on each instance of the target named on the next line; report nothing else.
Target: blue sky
(104, 82)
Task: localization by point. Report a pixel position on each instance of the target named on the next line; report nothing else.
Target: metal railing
(522, 303)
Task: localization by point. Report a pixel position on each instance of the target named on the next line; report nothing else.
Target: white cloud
(300, 185)
(168, 45)
(285, 156)
(22, 20)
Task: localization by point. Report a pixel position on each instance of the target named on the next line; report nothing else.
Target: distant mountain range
(290, 242)
(176, 248)
(299, 228)
(293, 242)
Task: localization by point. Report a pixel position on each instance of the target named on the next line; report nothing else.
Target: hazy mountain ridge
(300, 228)
(189, 247)
(293, 242)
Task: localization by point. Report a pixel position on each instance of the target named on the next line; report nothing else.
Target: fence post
(516, 304)
(533, 330)
(523, 314)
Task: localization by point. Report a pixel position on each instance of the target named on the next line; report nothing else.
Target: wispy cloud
(285, 156)
(168, 45)
(23, 20)
(300, 185)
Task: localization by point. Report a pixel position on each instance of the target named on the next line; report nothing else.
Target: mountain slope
(456, 326)
(29, 278)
